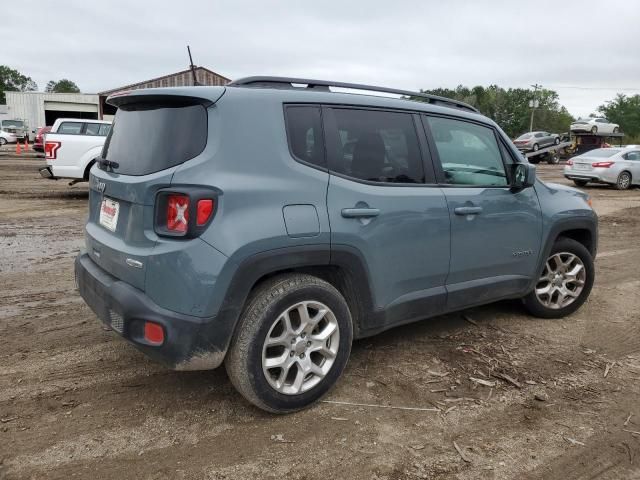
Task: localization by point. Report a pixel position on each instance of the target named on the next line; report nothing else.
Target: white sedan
(597, 126)
(7, 137)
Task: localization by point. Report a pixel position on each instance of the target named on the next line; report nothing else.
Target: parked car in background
(272, 255)
(597, 126)
(616, 166)
(533, 141)
(17, 127)
(7, 137)
(38, 143)
(72, 147)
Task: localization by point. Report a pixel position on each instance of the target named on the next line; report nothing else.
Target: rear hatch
(154, 132)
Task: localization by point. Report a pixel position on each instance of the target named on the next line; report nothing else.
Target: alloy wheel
(624, 180)
(300, 347)
(562, 280)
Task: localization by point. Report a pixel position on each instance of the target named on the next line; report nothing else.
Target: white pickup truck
(72, 147)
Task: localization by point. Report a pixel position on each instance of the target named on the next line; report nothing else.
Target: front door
(495, 232)
(381, 207)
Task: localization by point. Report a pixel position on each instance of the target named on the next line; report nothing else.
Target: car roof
(296, 95)
(84, 120)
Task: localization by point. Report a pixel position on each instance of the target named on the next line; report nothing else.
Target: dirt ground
(76, 401)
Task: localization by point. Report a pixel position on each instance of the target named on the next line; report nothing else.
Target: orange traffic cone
(26, 144)
(18, 150)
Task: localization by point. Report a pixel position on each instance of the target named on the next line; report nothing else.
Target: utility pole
(534, 104)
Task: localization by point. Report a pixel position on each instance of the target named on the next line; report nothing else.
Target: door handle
(467, 210)
(360, 212)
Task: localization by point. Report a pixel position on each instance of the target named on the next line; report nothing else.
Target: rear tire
(624, 181)
(274, 359)
(3, 141)
(556, 141)
(581, 183)
(569, 283)
(616, 130)
(594, 130)
(536, 147)
(553, 159)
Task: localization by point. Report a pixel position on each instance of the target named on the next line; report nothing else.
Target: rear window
(602, 152)
(70, 128)
(149, 137)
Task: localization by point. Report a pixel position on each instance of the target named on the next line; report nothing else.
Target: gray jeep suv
(269, 223)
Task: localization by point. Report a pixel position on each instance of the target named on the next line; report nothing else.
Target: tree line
(12, 80)
(508, 107)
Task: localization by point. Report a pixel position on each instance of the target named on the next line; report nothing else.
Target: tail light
(51, 150)
(602, 164)
(184, 213)
(177, 213)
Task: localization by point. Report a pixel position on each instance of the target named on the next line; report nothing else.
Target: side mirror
(523, 175)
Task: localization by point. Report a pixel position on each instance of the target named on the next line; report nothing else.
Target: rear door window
(70, 128)
(149, 137)
(92, 129)
(374, 145)
(104, 129)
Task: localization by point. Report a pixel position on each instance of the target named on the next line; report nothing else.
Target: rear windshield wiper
(107, 164)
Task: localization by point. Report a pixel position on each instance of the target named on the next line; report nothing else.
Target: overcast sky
(404, 44)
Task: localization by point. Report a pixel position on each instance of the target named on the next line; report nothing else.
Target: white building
(40, 108)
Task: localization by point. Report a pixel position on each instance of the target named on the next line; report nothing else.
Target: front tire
(624, 181)
(536, 147)
(616, 130)
(565, 282)
(292, 343)
(594, 130)
(3, 141)
(556, 141)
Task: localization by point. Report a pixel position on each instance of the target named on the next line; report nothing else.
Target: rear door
(383, 205)
(148, 140)
(495, 232)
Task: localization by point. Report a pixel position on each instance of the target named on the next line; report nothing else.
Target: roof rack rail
(288, 82)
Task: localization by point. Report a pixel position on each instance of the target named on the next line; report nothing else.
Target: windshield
(13, 123)
(602, 153)
(149, 137)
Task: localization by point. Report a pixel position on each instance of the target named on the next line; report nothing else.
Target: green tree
(510, 109)
(62, 86)
(13, 81)
(625, 111)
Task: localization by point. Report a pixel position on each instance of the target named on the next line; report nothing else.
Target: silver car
(615, 166)
(533, 141)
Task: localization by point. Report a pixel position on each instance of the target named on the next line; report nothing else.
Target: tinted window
(146, 138)
(632, 156)
(92, 129)
(72, 128)
(468, 152)
(375, 146)
(304, 131)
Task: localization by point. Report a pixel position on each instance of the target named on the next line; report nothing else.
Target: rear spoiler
(206, 96)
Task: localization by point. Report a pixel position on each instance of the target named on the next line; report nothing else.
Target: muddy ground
(78, 402)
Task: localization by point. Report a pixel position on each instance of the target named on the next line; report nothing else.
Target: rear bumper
(595, 175)
(190, 343)
(45, 172)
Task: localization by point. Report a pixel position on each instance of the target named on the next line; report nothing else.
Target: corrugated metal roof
(179, 79)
